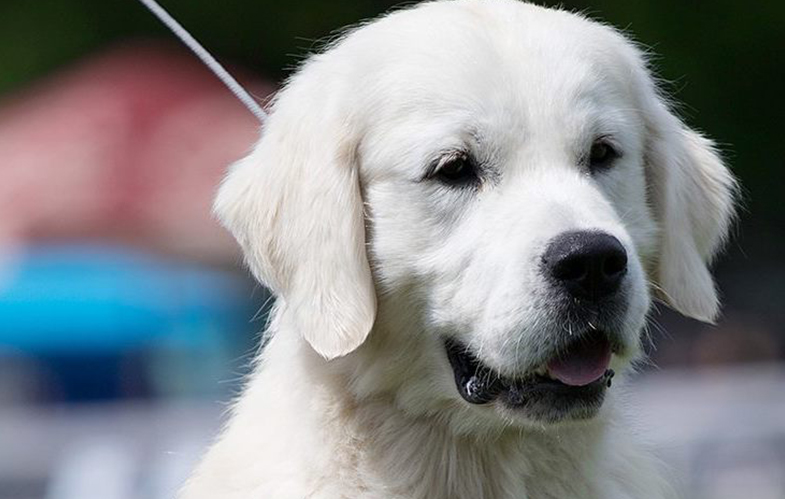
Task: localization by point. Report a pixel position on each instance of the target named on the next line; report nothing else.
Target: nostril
(615, 264)
(571, 269)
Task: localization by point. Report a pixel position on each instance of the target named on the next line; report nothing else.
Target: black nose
(588, 265)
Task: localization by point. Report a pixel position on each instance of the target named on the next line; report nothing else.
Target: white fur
(353, 396)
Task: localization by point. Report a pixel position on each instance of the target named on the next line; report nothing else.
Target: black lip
(476, 383)
(538, 396)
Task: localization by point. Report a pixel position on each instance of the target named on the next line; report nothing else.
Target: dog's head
(506, 181)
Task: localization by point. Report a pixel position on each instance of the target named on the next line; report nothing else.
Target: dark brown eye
(455, 170)
(601, 155)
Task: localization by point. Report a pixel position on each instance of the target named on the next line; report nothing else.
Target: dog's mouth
(571, 385)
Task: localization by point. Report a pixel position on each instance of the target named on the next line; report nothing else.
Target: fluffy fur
(373, 261)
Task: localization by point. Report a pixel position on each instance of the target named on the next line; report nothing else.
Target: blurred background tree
(721, 60)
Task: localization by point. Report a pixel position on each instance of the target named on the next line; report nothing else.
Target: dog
(465, 209)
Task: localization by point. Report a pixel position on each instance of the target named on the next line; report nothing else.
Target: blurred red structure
(129, 145)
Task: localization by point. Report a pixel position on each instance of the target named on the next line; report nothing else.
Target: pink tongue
(582, 364)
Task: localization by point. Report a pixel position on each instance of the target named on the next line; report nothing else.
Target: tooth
(610, 373)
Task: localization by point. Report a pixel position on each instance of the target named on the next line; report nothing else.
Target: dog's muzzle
(587, 299)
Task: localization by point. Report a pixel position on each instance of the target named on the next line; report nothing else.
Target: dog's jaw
(571, 386)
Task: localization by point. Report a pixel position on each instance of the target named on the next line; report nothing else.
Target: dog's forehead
(507, 65)
(510, 72)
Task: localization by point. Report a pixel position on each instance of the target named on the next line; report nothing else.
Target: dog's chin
(570, 386)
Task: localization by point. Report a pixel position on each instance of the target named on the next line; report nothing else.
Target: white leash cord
(207, 59)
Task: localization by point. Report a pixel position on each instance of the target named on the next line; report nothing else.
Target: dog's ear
(295, 207)
(692, 193)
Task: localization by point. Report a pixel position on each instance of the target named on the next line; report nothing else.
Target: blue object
(84, 298)
(103, 322)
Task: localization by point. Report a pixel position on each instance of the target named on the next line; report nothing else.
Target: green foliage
(722, 58)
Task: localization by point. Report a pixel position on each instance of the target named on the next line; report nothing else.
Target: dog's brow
(212, 64)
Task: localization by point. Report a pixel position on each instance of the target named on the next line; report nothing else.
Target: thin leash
(207, 58)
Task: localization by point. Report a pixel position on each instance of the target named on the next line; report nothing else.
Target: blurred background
(127, 321)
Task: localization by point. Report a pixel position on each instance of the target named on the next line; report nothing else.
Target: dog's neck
(301, 430)
(418, 455)
(376, 444)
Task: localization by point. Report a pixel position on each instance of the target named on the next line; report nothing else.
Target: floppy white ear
(294, 206)
(693, 196)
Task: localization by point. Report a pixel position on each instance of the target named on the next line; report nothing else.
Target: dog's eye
(601, 155)
(455, 169)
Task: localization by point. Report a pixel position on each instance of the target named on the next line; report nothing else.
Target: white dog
(463, 208)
